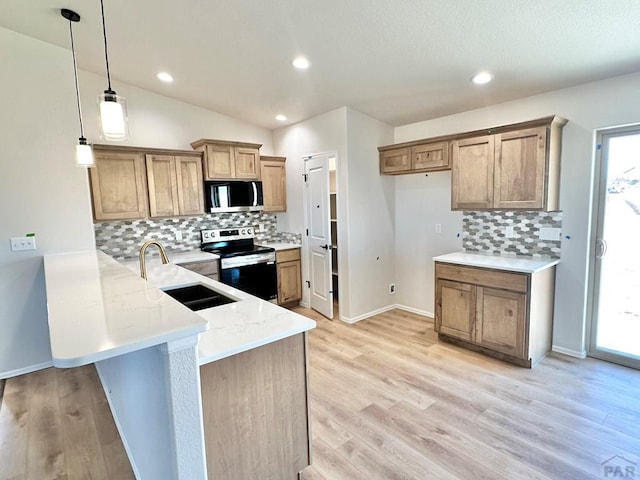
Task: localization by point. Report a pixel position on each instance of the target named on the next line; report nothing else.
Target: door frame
(601, 163)
(306, 252)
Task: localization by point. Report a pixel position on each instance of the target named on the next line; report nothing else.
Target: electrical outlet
(438, 228)
(19, 244)
(178, 235)
(392, 289)
(261, 227)
(508, 232)
(549, 234)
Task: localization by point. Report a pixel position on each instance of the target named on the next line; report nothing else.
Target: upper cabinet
(175, 185)
(274, 183)
(511, 167)
(223, 159)
(131, 183)
(118, 186)
(414, 158)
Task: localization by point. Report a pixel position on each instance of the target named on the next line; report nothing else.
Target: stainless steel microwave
(233, 196)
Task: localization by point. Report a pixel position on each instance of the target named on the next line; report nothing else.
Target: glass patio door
(615, 328)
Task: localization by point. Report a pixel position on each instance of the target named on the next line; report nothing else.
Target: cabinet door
(289, 282)
(519, 177)
(118, 186)
(219, 161)
(163, 192)
(395, 161)
(190, 185)
(500, 320)
(274, 185)
(455, 307)
(472, 173)
(432, 156)
(247, 161)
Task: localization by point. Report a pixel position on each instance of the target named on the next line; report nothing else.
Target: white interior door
(319, 234)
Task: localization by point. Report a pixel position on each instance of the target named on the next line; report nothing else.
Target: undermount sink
(198, 296)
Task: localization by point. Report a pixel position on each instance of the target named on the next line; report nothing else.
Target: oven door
(259, 279)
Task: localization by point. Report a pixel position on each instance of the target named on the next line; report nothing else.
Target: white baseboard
(569, 352)
(367, 315)
(118, 424)
(417, 311)
(25, 370)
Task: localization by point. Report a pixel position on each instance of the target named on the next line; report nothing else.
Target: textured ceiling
(399, 61)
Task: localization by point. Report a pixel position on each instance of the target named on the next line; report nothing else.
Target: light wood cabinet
(175, 185)
(472, 173)
(504, 314)
(137, 182)
(223, 159)
(273, 174)
(509, 167)
(289, 271)
(256, 412)
(118, 186)
(414, 158)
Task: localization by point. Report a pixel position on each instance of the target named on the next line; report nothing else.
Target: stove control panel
(226, 234)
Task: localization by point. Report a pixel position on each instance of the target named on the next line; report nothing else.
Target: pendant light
(113, 107)
(84, 152)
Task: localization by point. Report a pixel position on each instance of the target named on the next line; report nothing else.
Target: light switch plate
(549, 234)
(20, 244)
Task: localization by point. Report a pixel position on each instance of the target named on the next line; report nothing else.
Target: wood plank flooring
(389, 401)
(56, 424)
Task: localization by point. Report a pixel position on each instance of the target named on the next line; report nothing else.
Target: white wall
(369, 224)
(588, 107)
(326, 133)
(422, 201)
(41, 190)
(365, 202)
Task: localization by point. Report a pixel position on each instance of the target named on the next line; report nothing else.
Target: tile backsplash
(485, 232)
(122, 239)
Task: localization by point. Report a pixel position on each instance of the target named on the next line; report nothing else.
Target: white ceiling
(399, 61)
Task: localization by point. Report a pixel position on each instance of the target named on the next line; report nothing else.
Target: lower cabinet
(289, 276)
(508, 315)
(256, 412)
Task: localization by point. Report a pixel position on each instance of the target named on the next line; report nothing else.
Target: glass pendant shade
(113, 116)
(84, 153)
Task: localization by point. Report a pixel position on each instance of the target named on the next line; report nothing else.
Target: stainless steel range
(243, 265)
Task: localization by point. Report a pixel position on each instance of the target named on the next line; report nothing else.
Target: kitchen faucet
(143, 249)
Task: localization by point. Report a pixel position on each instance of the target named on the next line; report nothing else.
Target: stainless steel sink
(198, 296)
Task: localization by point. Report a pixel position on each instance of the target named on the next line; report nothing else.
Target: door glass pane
(618, 327)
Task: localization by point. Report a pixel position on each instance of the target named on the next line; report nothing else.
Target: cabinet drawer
(288, 255)
(517, 282)
(207, 267)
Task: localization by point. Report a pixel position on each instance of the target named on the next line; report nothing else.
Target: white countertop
(499, 262)
(233, 328)
(99, 309)
(281, 246)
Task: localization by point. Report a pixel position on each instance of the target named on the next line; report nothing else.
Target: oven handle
(261, 262)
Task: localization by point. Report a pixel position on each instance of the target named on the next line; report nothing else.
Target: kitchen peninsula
(195, 395)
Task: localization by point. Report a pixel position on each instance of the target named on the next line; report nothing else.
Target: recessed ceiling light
(482, 78)
(281, 117)
(165, 77)
(301, 63)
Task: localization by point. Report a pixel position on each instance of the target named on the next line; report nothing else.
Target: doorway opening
(615, 322)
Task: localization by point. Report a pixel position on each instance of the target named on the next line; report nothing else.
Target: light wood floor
(56, 424)
(389, 401)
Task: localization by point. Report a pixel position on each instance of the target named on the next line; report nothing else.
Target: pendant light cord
(104, 33)
(75, 74)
